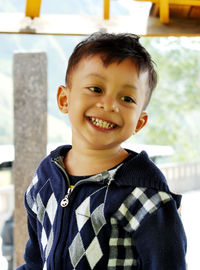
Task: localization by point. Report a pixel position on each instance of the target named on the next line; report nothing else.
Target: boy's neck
(82, 162)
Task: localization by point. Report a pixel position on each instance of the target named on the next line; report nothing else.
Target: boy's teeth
(100, 123)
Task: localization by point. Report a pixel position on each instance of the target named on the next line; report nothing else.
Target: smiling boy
(96, 205)
(104, 109)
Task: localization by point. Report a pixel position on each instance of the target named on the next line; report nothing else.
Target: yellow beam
(33, 8)
(106, 9)
(164, 11)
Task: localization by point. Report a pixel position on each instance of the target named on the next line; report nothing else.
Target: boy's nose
(108, 104)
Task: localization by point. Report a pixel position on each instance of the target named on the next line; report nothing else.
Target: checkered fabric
(137, 206)
(122, 248)
(140, 204)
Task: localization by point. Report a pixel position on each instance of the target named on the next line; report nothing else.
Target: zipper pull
(65, 200)
(109, 181)
(106, 176)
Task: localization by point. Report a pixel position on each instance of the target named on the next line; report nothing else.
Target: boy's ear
(62, 99)
(142, 121)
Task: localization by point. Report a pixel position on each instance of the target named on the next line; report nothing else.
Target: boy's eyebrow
(102, 77)
(96, 75)
(132, 86)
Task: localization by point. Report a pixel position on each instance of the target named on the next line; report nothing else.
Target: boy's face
(104, 103)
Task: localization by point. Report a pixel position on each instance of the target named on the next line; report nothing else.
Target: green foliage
(175, 106)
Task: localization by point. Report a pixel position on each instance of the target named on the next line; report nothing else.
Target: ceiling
(161, 18)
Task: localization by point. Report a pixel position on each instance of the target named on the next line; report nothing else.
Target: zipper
(65, 200)
(92, 179)
(97, 179)
(62, 169)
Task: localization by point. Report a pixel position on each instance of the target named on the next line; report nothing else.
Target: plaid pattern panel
(45, 209)
(141, 203)
(122, 248)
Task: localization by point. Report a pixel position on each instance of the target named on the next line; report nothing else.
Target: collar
(140, 171)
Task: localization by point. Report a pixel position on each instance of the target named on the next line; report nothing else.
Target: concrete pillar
(30, 132)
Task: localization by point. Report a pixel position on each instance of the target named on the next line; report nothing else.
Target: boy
(95, 205)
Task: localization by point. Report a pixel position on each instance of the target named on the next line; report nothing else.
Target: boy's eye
(95, 89)
(127, 99)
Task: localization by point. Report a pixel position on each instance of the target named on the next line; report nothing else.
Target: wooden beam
(155, 10)
(33, 8)
(76, 25)
(164, 11)
(106, 9)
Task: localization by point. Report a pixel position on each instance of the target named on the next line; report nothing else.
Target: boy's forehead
(100, 59)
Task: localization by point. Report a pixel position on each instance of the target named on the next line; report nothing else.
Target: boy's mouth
(102, 123)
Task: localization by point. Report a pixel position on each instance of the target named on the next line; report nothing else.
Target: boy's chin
(104, 146)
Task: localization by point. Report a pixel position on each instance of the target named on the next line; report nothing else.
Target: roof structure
(153, 18)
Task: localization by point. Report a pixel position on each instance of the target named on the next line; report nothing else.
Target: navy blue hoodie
(123, 218)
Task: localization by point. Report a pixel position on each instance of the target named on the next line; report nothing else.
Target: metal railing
(6, 203)
(182, 177)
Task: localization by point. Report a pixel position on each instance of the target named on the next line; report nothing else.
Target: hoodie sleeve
(152, 219)
(32, 255)
(160, 240)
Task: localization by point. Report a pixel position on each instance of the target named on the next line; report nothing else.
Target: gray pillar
(30, 132)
